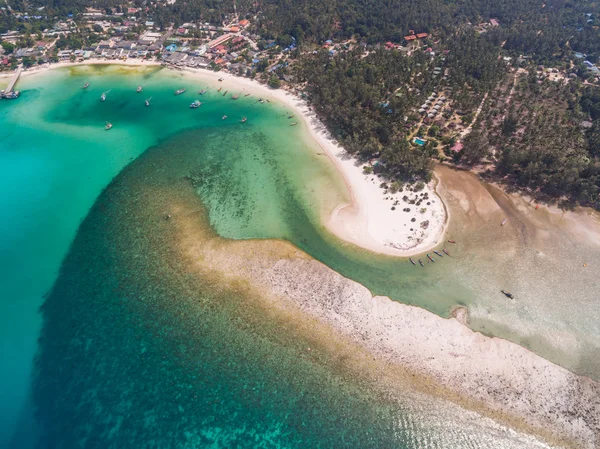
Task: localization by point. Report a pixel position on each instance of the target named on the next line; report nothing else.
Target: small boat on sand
(220, 79)
(293, 124)
(219, 89)
(430, 258)
(108, 126)
(224, 117)
(139, 89)
(243, 120)
(421, 263)
(180, 91)
(507, 294)
(438, 253)
(86, 85)
(446, 252)
(411, 261)
(451, 241)
(196, 104)
(202, 92)
(246, 95)
(148, 101)
(504, 222)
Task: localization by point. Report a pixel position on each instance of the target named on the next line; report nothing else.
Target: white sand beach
(376, 219)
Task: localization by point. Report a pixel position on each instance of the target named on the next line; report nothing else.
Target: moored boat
(195, 104)
(225, 93)
(293, 124)
(202, 92)
(411, 261)
(234, 97)
(103, 96)
(451, 241)
(108, 126)
(243, 120)
(180, 91)
(219, 89)
(86, 85)
(246, 95)
(290, 116)
(220, 79)
(430, 258)
(504, 222)
(446, 252)
(421, 263)
(507, 294)
(148, 101)
(139, 89)
(224, 117)
(437, 253)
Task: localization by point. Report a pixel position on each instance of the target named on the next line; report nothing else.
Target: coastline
(375, 219)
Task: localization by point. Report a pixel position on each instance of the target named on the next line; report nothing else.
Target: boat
(224, 117)
(202, 92)
(86, 85)
(290, 116)
(504, 222)
(451, 241)
(234, 97)
(220, 79)
(507, 294)
(108, 126)
(446, 252)
(195, 104)
(103, 96)
(180, 91)
(243, 120)
(411, 261)
(219, 89)
(293, 124)
(430, 258)
(225, 93)
(148, 101)
(246, 95)
(139, 89)
(421, 263)
(437, 253)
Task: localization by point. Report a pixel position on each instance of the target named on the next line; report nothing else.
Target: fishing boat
(202, 92)
(504, 222)
(411, 261)
(451, 241)
(507, 294)
(446, 252)
(421, 263)
(108, 126)
(290, 116)
(234, 97)
(148, 101)
(430, 258)
(219, 89)
(180, 91)
(139, 89)
(195, 104)
(225, 93)
(243, 120)
(224, 117)
(86, 85)
(293, 124)
(437, 253)
(220, 79)
(246, 95)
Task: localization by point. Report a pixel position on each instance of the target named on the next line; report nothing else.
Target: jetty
(9, 93)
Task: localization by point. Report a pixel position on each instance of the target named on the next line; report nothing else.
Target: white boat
(139, 89)
(108, 126)
(103, 96)
(148, 101)
(243, 120)
(224, 117)
(180, 91)
(86, 85)
(195, 104)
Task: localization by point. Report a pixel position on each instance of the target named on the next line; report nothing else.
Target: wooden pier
(9, 92)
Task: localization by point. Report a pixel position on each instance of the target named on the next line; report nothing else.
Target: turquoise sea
(108, 341)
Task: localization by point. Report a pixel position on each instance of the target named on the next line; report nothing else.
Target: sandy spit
(375, 219)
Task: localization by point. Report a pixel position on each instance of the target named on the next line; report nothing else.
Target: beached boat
(293, 124)
(507, 294)
(437, 253)
(430, 258)
(451, 241)
(504, 222)
(219, 89)
(139, 89)
(234, 97)
(243, 120)
(196, 104)
(220, 79)
(180, 91)
(246, 95)
(224, 117)
(202, 92)
(421, 263)
(148, 101)
(446, 252)
(107, 126)
(411, 261)
(86, 85)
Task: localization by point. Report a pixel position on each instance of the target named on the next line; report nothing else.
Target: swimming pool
(420, 141)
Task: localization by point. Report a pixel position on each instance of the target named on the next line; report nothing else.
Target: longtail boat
(412, 261)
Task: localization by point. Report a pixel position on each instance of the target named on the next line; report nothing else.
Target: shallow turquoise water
(127, 336)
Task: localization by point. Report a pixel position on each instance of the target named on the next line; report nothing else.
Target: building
(220, 40)
(422, 35)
